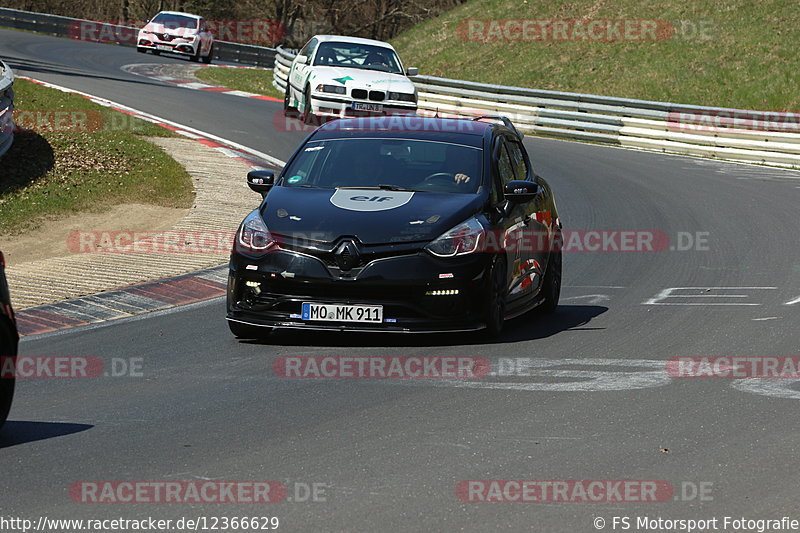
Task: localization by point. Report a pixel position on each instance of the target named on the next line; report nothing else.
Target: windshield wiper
(382, 187)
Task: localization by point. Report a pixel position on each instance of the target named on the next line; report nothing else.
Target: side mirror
(412, 71)
(520, 192)
(261, 181)
(301, 59)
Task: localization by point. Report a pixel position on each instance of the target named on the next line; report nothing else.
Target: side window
(505, 170)
(517, 155)
(304, 51)
(312, 47)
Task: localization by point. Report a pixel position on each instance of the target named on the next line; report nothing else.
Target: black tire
(287, 99)
(156, 52)
(141, 50)
(496, 293)
(246, 331)
(8, 348)
(308, 112)
(196, 57)
(207, 59)
(551, 284)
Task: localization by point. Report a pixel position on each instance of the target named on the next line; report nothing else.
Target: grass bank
(73, 156)
(731, 53)
(241, 79)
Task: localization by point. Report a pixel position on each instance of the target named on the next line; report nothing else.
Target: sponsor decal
(370, 199)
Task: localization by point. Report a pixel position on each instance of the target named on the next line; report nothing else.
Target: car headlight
(253, 238)
(461, 240)
(337, 89)
(403, 97)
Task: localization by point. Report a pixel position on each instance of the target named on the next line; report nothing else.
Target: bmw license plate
(343, 313)
(358, 106)
(164, 47)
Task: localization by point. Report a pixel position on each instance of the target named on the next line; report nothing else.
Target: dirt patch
(50, 239)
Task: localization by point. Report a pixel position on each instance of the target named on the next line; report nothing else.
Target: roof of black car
(464, 131)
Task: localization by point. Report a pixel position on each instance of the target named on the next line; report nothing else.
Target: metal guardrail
(82, 29)
(729, 134)
(6, 108)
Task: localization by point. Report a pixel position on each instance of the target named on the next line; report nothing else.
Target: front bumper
(401, 283)
(330, 106)
(175, 46)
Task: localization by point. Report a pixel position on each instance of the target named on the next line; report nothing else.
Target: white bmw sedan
(334, 76)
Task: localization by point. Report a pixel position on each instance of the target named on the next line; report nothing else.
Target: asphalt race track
(390, 454)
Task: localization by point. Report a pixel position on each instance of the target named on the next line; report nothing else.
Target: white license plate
(164, 47)
(358, 106)
(343, 313)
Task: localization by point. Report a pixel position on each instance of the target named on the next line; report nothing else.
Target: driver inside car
(376, 59)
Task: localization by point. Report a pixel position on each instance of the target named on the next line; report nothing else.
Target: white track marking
(669, 293)
(592, 298)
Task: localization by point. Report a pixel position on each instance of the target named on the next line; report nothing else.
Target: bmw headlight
(253, 238)
(337, 89)
(463, 239)
(403, 97)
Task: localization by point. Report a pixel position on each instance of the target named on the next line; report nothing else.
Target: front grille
(377, 96)
(398, 301)
(329, 257)
(359, 93)
(342, 290)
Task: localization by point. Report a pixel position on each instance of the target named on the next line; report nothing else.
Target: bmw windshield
(387, 163)
(355, 55)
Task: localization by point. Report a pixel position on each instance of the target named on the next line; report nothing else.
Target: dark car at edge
(412, 224)
(9, 339)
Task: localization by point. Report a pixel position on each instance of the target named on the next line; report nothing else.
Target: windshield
(387, 163)
(354, 55)
(173, 22)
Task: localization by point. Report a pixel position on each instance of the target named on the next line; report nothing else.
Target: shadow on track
(28, 159)
(527, 327)
(19, 432)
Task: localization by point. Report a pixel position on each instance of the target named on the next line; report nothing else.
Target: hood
(155, 27)
(362, 79)
(373, 216)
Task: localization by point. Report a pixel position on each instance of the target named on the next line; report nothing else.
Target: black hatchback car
(8, 345)
(397, 224)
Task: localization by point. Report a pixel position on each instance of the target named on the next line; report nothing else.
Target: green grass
(62, 168)
(747, 60)
(240, 79)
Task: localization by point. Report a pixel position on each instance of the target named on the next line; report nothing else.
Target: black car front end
(396, 226)
(9, 339)
(415, 290)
